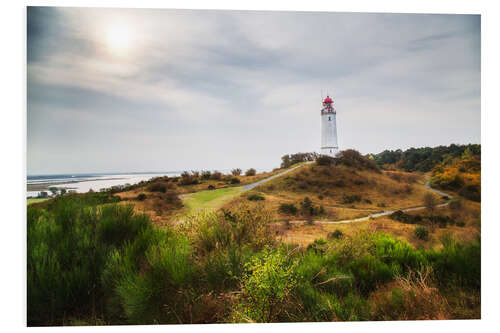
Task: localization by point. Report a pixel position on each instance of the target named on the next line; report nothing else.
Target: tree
(236, 172)
(63, 191)
(250, 172)
(430, 202)
(53, 190)
(467, 154)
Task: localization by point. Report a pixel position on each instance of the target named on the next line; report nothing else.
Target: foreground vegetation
(92, 260)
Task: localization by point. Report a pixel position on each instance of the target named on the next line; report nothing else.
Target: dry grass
(410, 297)
(301, 233)
(159, 206)
(327, 186)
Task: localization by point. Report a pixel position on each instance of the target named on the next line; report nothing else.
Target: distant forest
(423, 159)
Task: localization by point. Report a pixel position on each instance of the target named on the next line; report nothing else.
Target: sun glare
(118, 38)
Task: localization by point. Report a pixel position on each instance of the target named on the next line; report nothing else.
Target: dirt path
(260, 182)
(387, 212)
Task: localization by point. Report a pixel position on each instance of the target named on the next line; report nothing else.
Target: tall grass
(102, 263)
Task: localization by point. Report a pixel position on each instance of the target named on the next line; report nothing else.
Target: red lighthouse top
(328, 100)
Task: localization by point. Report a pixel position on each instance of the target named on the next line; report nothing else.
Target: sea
(84, 182)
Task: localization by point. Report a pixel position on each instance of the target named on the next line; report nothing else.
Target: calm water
(84, 182)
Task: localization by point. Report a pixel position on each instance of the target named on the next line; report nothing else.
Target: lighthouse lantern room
(329, 145)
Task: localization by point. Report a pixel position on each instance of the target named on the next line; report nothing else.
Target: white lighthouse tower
(329, 145)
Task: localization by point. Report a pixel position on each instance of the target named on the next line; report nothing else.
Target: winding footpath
(389, 212)
(359, 219)
(249, 187)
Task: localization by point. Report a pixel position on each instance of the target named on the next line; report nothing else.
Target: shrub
(236, 172)
(325, 160)
(267, 287)
(461, 224)
(141, 197)
(189, 178)
(255, 197)
(457, 264)
(288, 208)
(337, 234)
(250, 172)
(421, 233)
(471, 192)
(348, 199)
(306, 207)
(414, 298)
(430, 202)
(235, 180)
(241, 226)
(68, 247)
(158, 187)
(353, 158)
(216, 175)
(369, 272)
(211, 187)
(206, 174)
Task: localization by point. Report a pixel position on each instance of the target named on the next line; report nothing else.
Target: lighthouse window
(329, 119)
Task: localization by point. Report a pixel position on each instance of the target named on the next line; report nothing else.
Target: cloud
(222, 89)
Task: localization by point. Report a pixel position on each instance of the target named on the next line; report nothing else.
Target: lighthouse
(329, 145)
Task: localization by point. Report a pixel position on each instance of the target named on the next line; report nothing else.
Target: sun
(118, 38)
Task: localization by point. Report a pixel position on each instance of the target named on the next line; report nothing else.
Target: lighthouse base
(329, 151)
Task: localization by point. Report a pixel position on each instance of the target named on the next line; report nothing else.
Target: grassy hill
(340, 192)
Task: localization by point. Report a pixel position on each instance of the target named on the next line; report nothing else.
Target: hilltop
(348, 187)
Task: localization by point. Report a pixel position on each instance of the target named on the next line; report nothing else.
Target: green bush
(236, 172)
(348, 199)
(141, 197)
(421, 233)
(457, 264)
(235, 180)
(337, 234)
(255, 197)
(369, 272)
(286, 208)
(267, 287)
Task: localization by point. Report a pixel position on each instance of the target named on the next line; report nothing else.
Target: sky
(130, 90)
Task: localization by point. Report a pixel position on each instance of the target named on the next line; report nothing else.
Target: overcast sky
(117, 90)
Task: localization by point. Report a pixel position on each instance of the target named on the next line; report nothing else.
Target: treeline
(423, 159)
(291, 159)
(92, 261)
